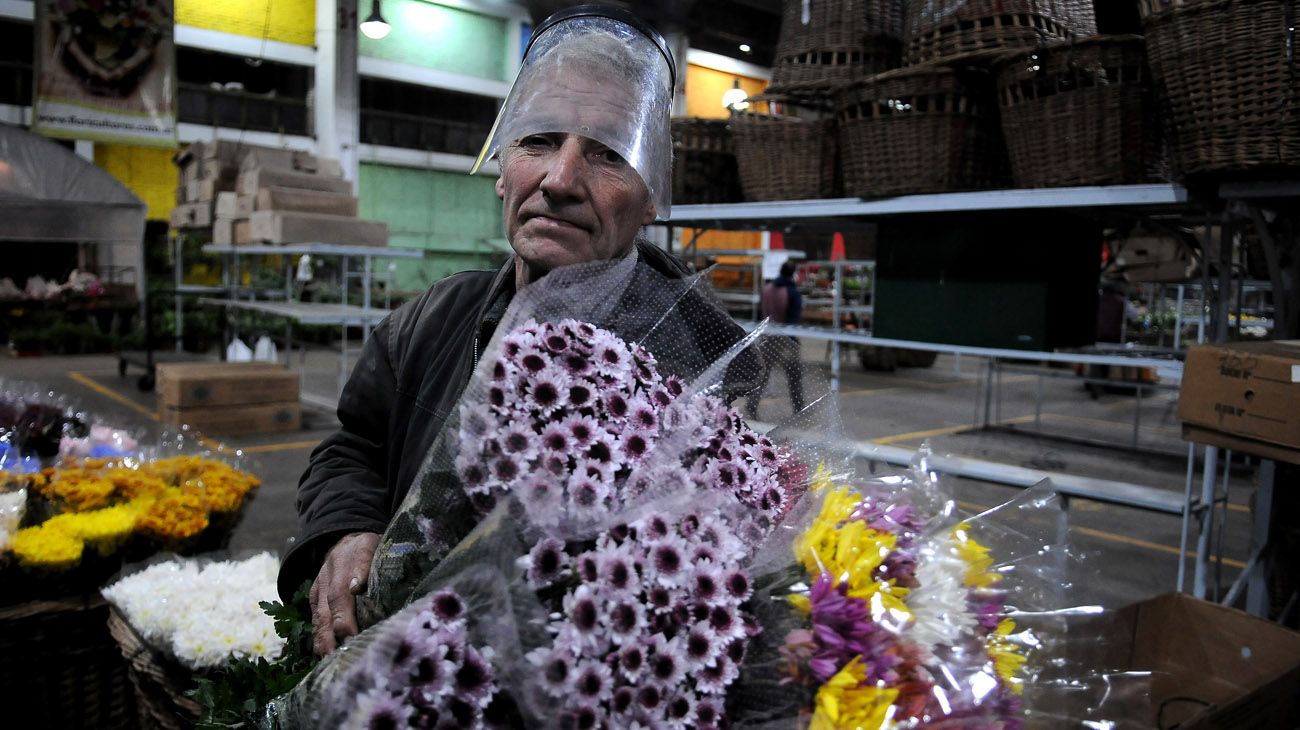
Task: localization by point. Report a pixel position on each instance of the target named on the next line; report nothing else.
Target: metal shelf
(765, 214)
(319, 249)
(308, 312)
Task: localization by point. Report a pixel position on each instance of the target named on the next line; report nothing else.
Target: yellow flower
(1008, 654)
(76, 489)
(977, 558)
(177, 516)
(103, 528)
(849, 550)
(46, 548)
(845, 702)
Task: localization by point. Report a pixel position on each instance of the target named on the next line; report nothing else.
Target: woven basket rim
(1147, 9)
(1082, 46)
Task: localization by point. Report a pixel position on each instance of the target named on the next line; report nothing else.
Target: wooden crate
(285, 227)
(189, 385)
(306, 201)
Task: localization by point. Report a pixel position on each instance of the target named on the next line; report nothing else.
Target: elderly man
(585, 154)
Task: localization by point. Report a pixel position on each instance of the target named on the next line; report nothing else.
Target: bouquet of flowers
(597, 539)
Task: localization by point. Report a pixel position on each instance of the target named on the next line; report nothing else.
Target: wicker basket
(1222, 72)
(836, 42)
(1080, 114)
(945, 29)
(704, 165)
(160, 684)
(920, 130)
(783, 157)
(61, 668)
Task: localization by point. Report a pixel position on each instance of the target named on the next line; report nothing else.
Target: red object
(776, 241)
(837, 247)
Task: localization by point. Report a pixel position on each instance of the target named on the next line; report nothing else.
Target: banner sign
(106, 71)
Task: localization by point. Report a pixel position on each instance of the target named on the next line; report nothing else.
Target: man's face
(566, 198)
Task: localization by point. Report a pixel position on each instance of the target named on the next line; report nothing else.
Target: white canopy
(49, 194)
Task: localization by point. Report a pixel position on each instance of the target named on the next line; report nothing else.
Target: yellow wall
(148, 172)
(288, 21)
(705, 87)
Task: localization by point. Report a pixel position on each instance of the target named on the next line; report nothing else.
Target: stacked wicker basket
(1225, 71)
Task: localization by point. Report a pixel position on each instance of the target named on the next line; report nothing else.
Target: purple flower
(555, 438)
(555, 670)
(616, 406)
(625, 619)
(593, 682)
(713, 679)
(642, 418)
(383, 711)
(506, 467)
(580, 395)
(616, 570)
(520, 441)
(447, 606)
(668, 563)
(582, 429)
(842, 629)
(474, 680)
(633, 447)
(680, 710)
(546, 391)
(631, 661)
(700, 646)
(546, 563)
(737, 585)
(586, 494)
(667, 662)
(583, 614)
(623, 700)
(541, 496)
(532, 360)
(708, 713)
(576, 364)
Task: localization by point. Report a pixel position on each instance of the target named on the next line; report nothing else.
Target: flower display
(906, 620)
(101, 502)
(203, 614)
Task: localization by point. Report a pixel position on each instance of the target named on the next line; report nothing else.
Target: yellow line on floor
(868, 391)
(1113, 537)
(288, 446)
(944, 431)
(119, 398)
(113, 395)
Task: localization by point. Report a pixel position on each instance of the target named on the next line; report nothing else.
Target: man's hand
(341, 578)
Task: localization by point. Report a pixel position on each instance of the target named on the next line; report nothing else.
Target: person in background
(782, 304)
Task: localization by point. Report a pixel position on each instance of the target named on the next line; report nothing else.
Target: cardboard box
(233, 205)
(223, 231)
(192, 215)
(1211, 667)
(252, 180)
(237, 420)
(306, 201)
(1242, 444)
(283, 227)
(1245, 389)
(242, 232)
(222, 384)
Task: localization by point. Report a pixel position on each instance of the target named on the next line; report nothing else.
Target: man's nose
(565, 170)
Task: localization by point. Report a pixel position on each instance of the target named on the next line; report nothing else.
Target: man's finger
(321, 624)
(342, 607)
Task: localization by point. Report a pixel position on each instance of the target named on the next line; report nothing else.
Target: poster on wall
(106, 71)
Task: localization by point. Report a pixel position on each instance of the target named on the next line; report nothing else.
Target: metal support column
(1200, 587)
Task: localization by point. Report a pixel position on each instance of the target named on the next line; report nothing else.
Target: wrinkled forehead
(580, 101)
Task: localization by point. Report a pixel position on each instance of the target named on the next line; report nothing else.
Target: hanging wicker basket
(704, 162)
(1080, 114)
(920, 130)
(945, 29)
(1225, 71)
(61, 667)
(784, 157)
(825, 44)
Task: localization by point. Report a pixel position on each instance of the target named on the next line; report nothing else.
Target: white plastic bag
(264, 350)
(238, 351)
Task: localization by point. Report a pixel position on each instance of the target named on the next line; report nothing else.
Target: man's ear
(649, 216)
(501, 185)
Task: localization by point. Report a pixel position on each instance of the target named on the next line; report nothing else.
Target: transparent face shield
(600, 78)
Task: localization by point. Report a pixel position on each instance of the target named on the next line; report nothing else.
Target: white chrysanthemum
(938, 605)
(12, 508)
(204, 615)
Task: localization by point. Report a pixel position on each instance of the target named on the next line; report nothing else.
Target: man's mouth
(547, 220)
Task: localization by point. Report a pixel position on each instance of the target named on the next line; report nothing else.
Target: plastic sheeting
(48, 193)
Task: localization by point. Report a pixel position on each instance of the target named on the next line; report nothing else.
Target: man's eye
(610, 157)
(535, 141)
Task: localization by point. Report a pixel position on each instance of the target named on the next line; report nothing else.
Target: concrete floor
(1130, 554)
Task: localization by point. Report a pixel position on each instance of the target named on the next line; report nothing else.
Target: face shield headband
(599, 73)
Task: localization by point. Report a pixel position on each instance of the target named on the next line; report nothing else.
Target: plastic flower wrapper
(900, 613)
(34, 420)
(13, 505)
(203, 612)
(595, 465)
